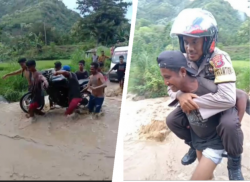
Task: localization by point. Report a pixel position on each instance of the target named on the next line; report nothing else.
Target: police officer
(197, 32)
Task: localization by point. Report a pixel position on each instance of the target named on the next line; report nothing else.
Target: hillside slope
(16, 14)
(161, 12)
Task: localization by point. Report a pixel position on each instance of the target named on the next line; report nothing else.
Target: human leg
(177, 122)
(32, 109)
(204, 169)
(98, 104)
(72, 105)
(91, 104)
(229, 129)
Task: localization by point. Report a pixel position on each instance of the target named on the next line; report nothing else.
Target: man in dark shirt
(58, 66)
(74, 89)
(121, 68)
(82, 74)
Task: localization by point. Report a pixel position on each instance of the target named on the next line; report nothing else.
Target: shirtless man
(97, 84)
(24, 71)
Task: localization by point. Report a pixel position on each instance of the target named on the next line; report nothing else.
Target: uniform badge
(218, 61)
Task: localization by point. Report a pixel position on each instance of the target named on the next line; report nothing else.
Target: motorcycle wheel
(85, 98)
(25, 102)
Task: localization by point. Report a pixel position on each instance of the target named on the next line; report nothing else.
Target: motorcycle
(57, 91)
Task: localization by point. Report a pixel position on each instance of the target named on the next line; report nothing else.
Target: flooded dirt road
(145, 158)
(55, 148)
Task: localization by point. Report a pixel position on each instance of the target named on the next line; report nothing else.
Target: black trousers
(229, 129)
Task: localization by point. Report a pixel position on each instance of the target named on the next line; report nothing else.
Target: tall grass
(243, 80)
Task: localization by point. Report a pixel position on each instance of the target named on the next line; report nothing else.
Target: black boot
(234, 168)
(189, 157)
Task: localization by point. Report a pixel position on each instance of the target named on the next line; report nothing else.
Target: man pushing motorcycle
(197, 32)
(74, 89)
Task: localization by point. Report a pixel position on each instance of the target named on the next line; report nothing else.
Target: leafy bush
(145, 78)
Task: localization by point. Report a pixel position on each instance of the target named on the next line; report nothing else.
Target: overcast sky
(241, 5)
(71, 4)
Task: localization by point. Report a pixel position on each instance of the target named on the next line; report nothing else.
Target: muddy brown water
(55, 148)
(149, 158)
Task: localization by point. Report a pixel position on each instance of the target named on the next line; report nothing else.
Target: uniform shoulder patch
(218, 61)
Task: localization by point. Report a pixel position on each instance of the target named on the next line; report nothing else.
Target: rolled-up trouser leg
(177, 122)
(229, 129)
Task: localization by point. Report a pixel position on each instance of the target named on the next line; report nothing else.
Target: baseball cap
(173, 59)
(66, 68)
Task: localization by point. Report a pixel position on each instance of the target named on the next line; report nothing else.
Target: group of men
(201, 82)
(97, 83)
(37, 82)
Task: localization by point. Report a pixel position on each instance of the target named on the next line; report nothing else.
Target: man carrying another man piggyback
(197, 32)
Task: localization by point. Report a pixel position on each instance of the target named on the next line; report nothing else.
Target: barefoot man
(97, 84)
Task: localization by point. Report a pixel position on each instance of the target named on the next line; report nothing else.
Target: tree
(101, 19)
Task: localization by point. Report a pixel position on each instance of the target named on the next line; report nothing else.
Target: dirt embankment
(55, 148)
(152, 152)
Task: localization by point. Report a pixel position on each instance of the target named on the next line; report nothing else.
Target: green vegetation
(152, 36)
(46, 30)
(15, 14)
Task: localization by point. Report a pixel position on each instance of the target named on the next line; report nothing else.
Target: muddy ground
(154, 153)
(55, 148)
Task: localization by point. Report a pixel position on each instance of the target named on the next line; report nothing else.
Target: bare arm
(13, 73)
(112, 69)
(88, 86)
(44, 80)
(62, 72)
